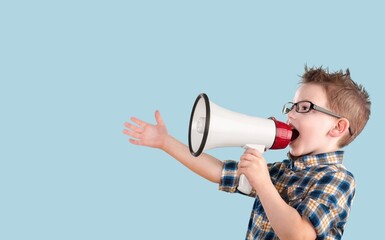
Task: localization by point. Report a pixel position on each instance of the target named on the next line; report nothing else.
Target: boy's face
(313, 127)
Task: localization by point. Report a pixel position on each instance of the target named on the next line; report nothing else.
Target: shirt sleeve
(229, 180)
(328, 203)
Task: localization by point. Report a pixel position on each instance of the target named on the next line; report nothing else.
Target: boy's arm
(156, 136)
(204, 165)
(284, 219)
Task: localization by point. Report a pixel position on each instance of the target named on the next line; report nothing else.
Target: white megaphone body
(212, 126)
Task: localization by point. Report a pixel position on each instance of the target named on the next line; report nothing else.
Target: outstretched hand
(146, 134)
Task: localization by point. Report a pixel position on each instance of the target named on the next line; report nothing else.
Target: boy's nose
(291, 113)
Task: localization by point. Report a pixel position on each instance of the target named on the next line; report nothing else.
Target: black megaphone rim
(206, 130)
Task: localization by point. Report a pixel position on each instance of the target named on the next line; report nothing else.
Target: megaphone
(212, 126)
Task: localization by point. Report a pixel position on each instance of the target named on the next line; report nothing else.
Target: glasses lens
(287, 108)
(303, 107)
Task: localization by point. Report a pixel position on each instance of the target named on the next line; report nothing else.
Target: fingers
(139, 122)
(133, 131)
(133, 127)
(141, 131)
(132, 134)
(249, 157)
(244, 167)
(134, 141)
(136, 137)
(142, 123)
(245, 161)
(243, 164)
(250, 154)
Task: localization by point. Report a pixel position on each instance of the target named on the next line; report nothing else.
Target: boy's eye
(303, 108)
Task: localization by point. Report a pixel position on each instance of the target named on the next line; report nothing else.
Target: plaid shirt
(318, 186)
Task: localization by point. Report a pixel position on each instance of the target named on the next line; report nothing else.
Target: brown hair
(345, 97)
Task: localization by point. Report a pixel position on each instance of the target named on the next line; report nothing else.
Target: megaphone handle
(244, 185)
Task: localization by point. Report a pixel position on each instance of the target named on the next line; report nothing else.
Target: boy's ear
(341, 126)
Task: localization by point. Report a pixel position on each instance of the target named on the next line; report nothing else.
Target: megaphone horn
(212, 126)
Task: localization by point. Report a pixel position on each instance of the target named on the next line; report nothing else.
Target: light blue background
(72, 72)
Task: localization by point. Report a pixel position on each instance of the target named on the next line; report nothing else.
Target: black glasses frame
(286, 109)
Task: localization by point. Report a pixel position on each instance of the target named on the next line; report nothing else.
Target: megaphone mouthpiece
(283, 135)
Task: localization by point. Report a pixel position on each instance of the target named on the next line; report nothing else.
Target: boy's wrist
(166, 143)
(265, 188)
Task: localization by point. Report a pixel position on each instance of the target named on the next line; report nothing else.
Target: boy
(308, 195)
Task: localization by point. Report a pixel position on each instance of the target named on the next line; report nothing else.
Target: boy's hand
(146, 134)
(253, 165)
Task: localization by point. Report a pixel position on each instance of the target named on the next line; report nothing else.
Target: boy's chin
(295, 152)
(297, 149)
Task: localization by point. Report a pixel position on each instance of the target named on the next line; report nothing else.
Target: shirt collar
(302, 162)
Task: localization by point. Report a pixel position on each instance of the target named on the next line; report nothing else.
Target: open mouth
(294, 134)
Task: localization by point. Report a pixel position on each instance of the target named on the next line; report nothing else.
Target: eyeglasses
(306, 106)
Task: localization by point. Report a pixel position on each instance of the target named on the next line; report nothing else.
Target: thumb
(158, 118)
